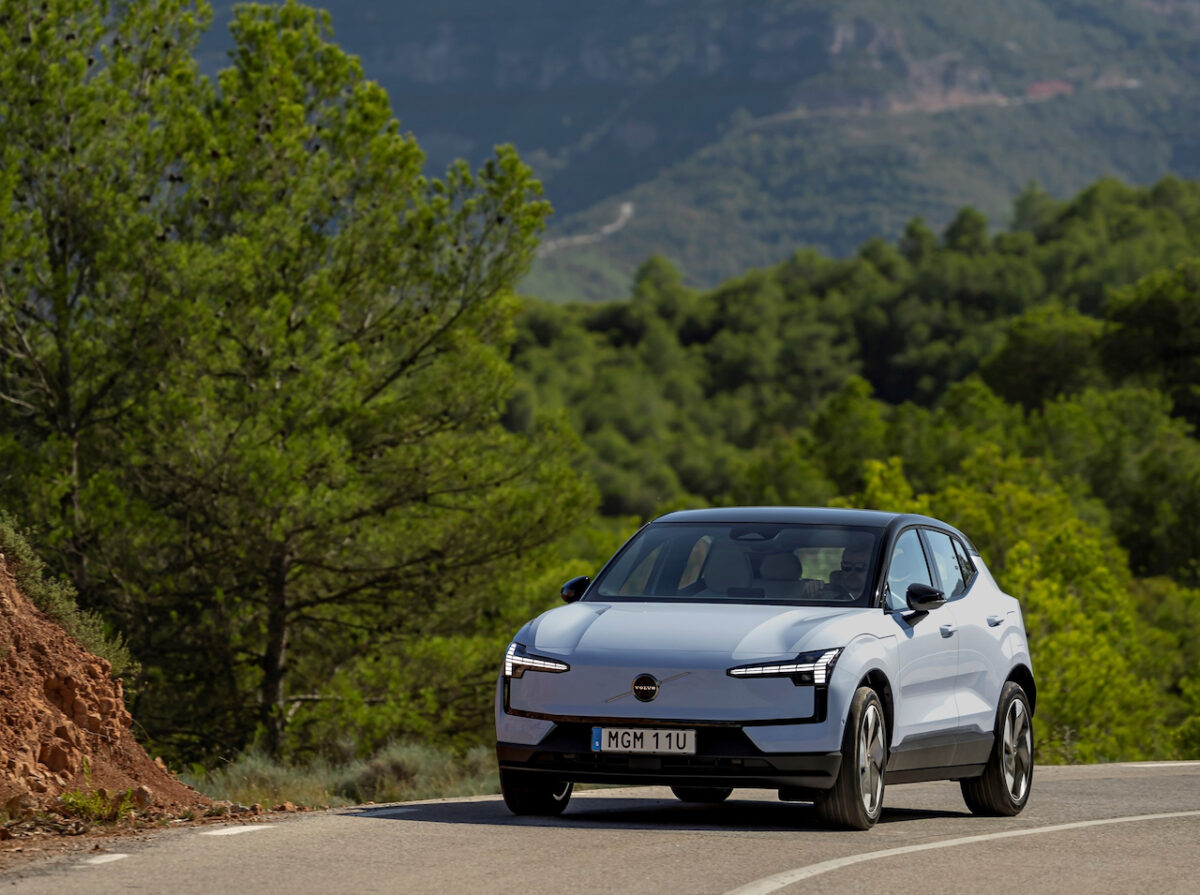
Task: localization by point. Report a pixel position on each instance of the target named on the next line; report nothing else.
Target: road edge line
(778, 881)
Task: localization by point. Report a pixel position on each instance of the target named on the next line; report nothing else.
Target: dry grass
(398, 772)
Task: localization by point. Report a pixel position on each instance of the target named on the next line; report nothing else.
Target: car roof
(811, 516)
(821, 515)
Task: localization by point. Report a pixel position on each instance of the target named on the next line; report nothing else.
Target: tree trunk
(274, 662)
(76, 525)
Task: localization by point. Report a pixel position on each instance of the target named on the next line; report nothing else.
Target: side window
(964, 562)
(946, 561)
(907, 566)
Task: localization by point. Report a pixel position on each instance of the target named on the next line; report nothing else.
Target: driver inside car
(852, 575)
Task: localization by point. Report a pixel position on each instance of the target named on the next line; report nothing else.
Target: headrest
(727, 567)
(781, 567)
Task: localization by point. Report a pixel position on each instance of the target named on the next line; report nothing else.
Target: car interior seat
(728, 567)
(781, 573)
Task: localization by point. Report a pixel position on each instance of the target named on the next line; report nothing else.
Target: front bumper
(725, 756)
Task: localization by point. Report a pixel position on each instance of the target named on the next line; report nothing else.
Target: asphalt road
(1117, 828)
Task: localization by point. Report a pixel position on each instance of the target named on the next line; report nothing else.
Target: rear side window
(907, 566)
(947, 562)
(964, 561)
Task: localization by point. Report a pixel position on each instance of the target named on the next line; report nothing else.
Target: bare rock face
(59, 756)
(20, 806)
(63, 723)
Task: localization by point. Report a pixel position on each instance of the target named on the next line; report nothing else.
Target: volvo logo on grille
(645, 687)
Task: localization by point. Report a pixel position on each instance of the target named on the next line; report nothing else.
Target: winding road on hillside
(624, 215)
(1116, 828)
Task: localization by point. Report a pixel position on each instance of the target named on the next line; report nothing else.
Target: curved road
(1116, 828)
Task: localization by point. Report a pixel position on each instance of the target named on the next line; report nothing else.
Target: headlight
(517, 662)
(807, 669)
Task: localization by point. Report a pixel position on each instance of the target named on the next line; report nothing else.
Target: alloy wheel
(1018, 750)
(870, 759)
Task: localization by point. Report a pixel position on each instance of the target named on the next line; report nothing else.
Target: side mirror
(573, 589)
(923, 598)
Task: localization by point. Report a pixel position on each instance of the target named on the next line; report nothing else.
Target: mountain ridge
(790, 104)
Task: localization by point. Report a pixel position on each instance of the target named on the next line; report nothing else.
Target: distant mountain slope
(760, 193)
(740, 130)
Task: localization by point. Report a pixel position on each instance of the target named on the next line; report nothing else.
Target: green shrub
(95, 806)
(56, 598)
(253, 778)
(397, 772)
(406, 771)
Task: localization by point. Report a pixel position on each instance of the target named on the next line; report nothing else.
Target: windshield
(744, 562)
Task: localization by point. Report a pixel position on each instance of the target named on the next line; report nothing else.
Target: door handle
(994, 620)
(948, 630)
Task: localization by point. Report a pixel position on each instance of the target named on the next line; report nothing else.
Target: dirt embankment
(63, 723)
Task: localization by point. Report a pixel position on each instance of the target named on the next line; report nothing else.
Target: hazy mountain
(727, 133)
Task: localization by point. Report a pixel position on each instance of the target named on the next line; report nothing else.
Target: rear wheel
(708, 795)
(526, 793)
(856, 799)
(1003, 788)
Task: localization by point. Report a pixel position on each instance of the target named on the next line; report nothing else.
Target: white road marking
(1161, 764)
(779, 880)
(233, 831)
(104, 859)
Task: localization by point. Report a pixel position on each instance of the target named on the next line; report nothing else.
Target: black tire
(707, 795)
(856, 799)
(1003, 788)
(526, 793)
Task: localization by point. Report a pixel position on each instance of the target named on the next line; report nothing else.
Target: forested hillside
(270, 407)
(741, 131)
(1037, 387)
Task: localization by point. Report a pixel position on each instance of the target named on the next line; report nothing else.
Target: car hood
(740, 631)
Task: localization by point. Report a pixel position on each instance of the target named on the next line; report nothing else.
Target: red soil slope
(63, 723)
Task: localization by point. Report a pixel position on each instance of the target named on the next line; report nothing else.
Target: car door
(927, 653)
(982, 625)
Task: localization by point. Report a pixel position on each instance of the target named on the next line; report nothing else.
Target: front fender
(514, 728)
(866, 654)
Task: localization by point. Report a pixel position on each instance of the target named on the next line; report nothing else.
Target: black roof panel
(812, 516)
(809, 515)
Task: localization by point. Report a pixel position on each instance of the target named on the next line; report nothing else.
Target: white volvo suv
(820, 652)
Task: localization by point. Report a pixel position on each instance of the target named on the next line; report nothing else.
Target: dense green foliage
(252, 361)
(274, 413)
(795, 351)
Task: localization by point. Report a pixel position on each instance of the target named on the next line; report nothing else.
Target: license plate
(647, 741)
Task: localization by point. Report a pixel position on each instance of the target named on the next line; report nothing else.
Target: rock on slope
(63, 723)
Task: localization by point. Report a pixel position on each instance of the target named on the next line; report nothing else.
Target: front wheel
(856, 799)
(526, 793)
(1003, 788)
(706, 795)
